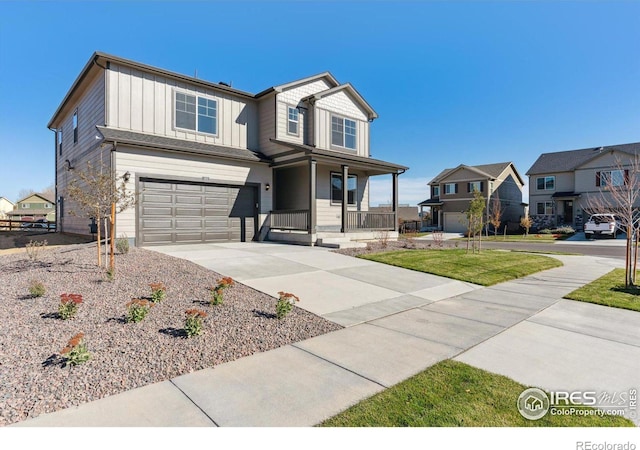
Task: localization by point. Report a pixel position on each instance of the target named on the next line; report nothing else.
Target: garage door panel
(455, 222)
(198, 213)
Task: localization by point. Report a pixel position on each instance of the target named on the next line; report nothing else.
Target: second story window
(343, 132)
(436, 191)
(546, 183)
(612, 178)
(75, 126)
(59, 140)
(196, 113)
(26, 206)
(474, 186)
(292, 121)
(450, 188)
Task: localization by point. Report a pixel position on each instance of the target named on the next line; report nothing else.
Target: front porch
(312, 203)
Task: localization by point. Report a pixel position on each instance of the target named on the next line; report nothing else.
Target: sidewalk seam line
(581, 334)
(414, 336)
(195, 404)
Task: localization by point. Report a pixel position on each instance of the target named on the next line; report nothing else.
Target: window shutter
(456, 189)
(626, 177)
(468, 187)
(597, 179)
(482, 186)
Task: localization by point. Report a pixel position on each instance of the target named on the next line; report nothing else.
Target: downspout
(55, 177)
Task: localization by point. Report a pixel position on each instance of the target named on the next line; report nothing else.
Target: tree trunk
(635, 259)
(112, 258)
(627, 263)
(99, 236)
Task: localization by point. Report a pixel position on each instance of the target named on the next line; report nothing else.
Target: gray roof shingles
(569, 160)
(493, 170)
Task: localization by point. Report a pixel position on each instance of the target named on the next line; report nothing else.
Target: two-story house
(451, 192)
(6, 206)
(561, 183)
(33, 207)
(211, 163)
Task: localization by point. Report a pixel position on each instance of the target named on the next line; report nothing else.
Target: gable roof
(489, 171)
(200, 148)
(371, 114)
(48, 200)
(283, 87)
(569, 160)
(6, 199)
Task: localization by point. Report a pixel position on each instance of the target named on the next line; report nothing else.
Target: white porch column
(395, 201)
(345, 197)
(313, 170)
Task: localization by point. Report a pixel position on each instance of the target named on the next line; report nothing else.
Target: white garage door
(171, 212)
(454, 222)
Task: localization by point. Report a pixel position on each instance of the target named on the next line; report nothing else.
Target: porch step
(339, 242)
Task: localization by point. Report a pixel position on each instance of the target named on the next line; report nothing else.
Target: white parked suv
(602, 224)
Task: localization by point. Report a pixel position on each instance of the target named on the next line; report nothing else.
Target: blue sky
(453, 82)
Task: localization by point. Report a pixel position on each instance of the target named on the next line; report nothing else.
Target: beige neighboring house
(561, 183)
(6, 206)
(211, 163)
(34, 207)
(452, 192)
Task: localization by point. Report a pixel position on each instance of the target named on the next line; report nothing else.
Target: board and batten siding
(191, 168)
(91, 112)
(267, 125)
(331, 214)
(143, 102)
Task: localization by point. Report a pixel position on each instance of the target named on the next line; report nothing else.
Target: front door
(568, 212)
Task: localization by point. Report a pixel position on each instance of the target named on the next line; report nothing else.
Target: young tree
(495, 213)
(475, 215)
(619, 194)
(99, 193)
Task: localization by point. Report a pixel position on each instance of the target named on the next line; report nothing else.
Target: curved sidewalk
(398, 322)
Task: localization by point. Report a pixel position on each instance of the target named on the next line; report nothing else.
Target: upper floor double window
(343, 132)
(612, 178)
(474, 186)
(196, 113)
(546, 183)
(450, 188)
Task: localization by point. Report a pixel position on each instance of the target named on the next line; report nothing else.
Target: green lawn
(609, 290)
(453, 394)
(487, 268)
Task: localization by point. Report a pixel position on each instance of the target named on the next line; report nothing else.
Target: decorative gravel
(33, 379)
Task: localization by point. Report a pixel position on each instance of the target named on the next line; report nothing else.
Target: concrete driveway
(340, 288)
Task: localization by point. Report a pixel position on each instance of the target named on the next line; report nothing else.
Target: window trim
(544, 184)
(355, 194)
(344, 133)
(455, 188)
(601, 181)
(436, 191)
(289, 121)
(74, 123)
(59, 137)
(470, 183)
(25, 205)
(197, 95)
(545, 204)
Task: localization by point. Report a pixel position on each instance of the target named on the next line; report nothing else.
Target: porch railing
(292, 219)
(365, 220)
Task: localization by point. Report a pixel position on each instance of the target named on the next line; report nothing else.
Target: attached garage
(454, 222)
(171, 212)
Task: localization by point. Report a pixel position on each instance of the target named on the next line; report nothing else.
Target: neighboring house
(452, 191)
(405, 212)
(6, 206)
(561, 183)
(34, 207)
(211, 163)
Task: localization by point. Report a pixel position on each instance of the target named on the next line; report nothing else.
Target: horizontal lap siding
(168, 165)
(144, 102)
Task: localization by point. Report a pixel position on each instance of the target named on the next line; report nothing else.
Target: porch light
(67, 165)
(127, 176)
(267, 187)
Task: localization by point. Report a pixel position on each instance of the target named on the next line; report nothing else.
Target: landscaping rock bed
(403, 243)
(123, 355)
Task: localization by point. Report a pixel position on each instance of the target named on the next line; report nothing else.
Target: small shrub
(110, 273)
(33, 249)
(193, 322)
(285, 304)
(438, 238)
(76, 351)
(137, 310)
(564, 230)
(383, 238)
(68, 306)
(158, 292)
(218, 290)
(545, 231)
(122, 244)
(36, 289)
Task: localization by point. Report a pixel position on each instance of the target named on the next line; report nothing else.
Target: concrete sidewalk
(399, 323)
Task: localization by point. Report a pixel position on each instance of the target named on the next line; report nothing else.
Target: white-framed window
(48, 205)
(59, 140)
(336, 188)
(474, 186)
(196, 113)
(25, 205)
(546, 183)
(343, 132)
(612, 178)
(545, 208)
(293, 121)
(75, 126)
(450, 188)
(436, 191)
